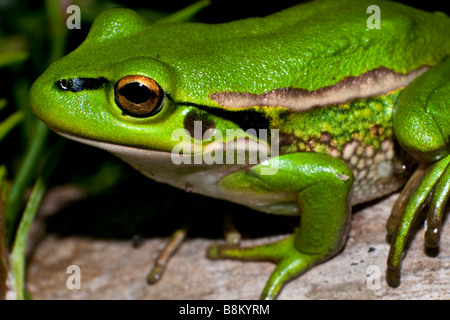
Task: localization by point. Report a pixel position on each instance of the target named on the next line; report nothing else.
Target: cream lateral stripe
(372, 83)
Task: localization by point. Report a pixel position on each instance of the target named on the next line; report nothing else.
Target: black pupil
(136, 92)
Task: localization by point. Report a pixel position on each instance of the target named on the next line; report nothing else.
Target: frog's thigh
(322, 184)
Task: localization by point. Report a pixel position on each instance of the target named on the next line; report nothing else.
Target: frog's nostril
(80, 84)
(64, 84)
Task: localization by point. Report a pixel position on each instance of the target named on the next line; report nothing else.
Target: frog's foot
(290, 261)
(428, 180)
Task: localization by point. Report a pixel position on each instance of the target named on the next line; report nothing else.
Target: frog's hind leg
(322, 184)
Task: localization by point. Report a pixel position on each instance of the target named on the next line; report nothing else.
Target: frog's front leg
(422, 127)
(321, 184)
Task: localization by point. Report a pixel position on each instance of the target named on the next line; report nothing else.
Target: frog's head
(117, 88)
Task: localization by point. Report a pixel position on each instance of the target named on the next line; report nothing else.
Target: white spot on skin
(361, 164)
(390, 153)
(349, 150)
(354, 160)
(385, 169)
(343, 177)
(369, 152)
(334, 152)
(385, 145)
(360, 151)
(361, 174)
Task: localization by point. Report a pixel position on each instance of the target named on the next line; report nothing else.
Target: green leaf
(57, 28)
(3, 103)
(185, 14)
(4, 262)
(25, 174)
(8, 124)
(17, 257)
(13, 49)
(12, 57)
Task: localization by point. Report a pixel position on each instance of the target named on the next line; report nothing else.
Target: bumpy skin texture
(336, 91)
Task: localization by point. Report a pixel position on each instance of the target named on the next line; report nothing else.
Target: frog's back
(308, 46)
(318, 44)
(331, 37)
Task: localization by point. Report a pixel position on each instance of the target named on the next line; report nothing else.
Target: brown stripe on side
(375, 82)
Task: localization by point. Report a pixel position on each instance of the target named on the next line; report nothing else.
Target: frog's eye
(138, 96)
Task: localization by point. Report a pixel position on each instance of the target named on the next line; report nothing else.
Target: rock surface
(115, 269)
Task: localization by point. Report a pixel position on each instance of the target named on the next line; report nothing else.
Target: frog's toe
(288, 268)
(431, 180)
(436, 209)
(290, 262)
(266, 252)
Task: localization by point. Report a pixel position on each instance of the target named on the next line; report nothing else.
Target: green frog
(306, 112)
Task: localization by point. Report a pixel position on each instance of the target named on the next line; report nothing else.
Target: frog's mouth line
(108, 146)
(118, 149)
